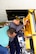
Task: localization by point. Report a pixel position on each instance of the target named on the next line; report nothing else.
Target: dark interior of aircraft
(12, 13)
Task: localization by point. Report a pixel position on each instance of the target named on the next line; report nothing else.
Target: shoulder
(6, 27)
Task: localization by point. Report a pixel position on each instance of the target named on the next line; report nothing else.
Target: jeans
(3, 50)
(14, 45)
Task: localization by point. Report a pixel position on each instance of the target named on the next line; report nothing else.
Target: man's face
(11, 35)
(17, 21)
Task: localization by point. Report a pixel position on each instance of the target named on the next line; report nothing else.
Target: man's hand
(25, 22)
(8, 46)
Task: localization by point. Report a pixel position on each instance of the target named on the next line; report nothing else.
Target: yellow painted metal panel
(27, 31)
(30, 30)
(27, 43)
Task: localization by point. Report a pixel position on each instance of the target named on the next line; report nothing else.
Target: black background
(12, 13)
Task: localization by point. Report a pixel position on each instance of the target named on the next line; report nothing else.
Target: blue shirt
(4, 39)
